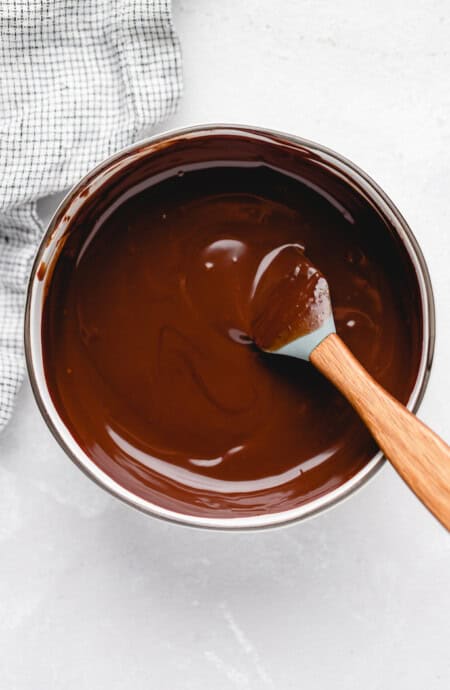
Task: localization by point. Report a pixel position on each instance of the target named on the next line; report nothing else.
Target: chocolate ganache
(147, 327)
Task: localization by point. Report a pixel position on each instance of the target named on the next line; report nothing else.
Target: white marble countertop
(95, 595)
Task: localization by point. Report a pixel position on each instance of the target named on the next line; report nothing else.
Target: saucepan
(101, 179)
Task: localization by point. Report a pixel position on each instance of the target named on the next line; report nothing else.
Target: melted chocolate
(149, 310)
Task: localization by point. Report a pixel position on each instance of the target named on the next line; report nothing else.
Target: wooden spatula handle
(417, 453)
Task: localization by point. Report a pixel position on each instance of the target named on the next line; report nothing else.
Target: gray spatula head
(303, 346)
(291, 304)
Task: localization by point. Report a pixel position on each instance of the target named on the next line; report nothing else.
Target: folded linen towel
(78, 81)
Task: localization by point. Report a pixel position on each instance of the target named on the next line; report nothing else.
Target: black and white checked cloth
(79, 79)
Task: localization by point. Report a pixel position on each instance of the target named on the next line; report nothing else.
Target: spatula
(292, 316)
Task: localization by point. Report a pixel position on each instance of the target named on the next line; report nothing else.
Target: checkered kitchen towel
(79, 79)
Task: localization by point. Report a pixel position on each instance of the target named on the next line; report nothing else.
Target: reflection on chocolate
(148, 315)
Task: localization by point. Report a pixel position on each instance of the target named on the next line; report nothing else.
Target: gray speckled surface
(96, 595)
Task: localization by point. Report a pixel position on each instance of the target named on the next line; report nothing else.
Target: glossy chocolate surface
(149, 311)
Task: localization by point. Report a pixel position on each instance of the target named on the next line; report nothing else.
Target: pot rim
(99, 176)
